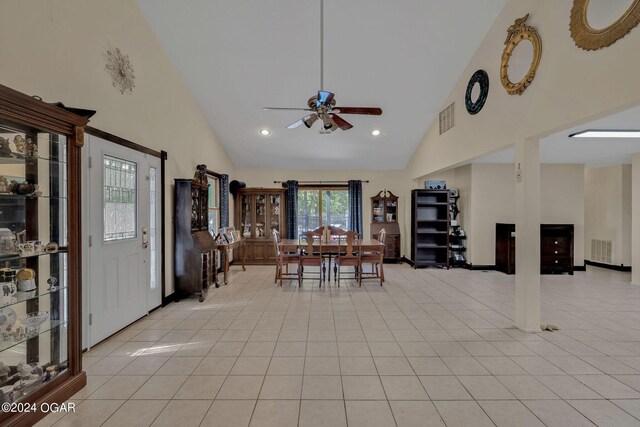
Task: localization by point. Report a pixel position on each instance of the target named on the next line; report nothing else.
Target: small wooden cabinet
(258, 212)
(194, 247)
(384, 214)
(556, 248)
(430, 228)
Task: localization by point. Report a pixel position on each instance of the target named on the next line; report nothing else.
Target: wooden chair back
(311, 238)
(333, 230)
(276, 241)
(382, 236)
(350, 239)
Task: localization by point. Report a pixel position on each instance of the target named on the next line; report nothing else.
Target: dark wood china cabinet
(258, 212)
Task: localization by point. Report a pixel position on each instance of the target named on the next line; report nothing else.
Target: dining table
(331, 248)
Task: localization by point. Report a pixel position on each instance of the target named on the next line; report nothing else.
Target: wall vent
(446, 118)
(601, 250)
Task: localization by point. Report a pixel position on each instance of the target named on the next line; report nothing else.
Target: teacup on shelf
(26, 249)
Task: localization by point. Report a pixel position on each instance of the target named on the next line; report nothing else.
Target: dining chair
(349, 255)
(376, 259)
(334, 232)
(311, 253)
(285, 257)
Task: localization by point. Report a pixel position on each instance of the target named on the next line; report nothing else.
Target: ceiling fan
(323, 105)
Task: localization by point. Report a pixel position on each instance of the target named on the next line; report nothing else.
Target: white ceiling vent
(446, 118)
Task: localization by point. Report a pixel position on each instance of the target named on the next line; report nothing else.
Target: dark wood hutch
(195, 258)
(259, 211)
(40, 330)
(384, 214)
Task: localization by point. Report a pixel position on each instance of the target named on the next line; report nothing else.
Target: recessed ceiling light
(265, 132)
(606, 134)
(376, 132)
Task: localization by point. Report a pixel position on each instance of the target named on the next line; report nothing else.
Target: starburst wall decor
(121, 70)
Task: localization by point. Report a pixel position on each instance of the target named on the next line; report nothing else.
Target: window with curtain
(322, 206)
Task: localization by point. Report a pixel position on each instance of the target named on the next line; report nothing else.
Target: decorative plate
(7, 319)
(480, 78)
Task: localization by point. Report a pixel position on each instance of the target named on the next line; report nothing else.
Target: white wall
(608, 210)
(56, 50)
(571, 86)
(393, 180)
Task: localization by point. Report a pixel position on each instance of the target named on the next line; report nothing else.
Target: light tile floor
(430, 347)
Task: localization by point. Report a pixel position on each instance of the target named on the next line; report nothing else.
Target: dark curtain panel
(355, 206)
(292, 209)
(224, 200)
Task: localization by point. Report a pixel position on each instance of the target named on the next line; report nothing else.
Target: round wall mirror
(520, 57)
(521, 60)
(600, 23)
(477, 91)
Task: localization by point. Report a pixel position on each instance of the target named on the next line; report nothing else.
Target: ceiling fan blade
(324, 98)
(287, 109)
(342, 123)
(371, 111)
(296, 124)
(308, 121)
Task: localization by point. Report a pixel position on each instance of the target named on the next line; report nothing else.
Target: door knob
(145, 238)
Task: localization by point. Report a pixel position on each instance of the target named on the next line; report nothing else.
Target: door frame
(162, 155)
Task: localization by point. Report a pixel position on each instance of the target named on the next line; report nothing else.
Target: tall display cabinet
(258, 212)
(384, 215)
(40, 257)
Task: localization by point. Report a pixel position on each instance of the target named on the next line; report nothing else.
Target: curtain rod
(318, 182)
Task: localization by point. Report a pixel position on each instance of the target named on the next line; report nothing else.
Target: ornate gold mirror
(586, 16)
(517, 33)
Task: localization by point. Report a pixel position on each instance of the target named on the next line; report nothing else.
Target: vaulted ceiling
(239, 56)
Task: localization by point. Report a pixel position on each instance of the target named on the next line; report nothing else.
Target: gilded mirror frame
(589, 38)
(515, 34)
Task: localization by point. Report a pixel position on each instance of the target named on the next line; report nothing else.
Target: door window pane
(153, 246)
(120, 199)
(214, 205)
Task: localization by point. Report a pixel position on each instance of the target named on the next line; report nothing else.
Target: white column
(635, 219)
(527, 198)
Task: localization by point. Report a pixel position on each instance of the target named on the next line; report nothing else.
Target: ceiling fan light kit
(323, 105)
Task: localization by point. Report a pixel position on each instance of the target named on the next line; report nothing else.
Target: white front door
(124, 216)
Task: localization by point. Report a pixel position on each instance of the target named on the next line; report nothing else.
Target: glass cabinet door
(378, 210)
(274, 205)
(34, 301)
(391, 210)
(261, 216)
(245, 218)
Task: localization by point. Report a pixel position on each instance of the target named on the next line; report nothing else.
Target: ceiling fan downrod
(321, 44)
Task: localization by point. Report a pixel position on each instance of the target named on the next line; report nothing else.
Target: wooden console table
(226, 248)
